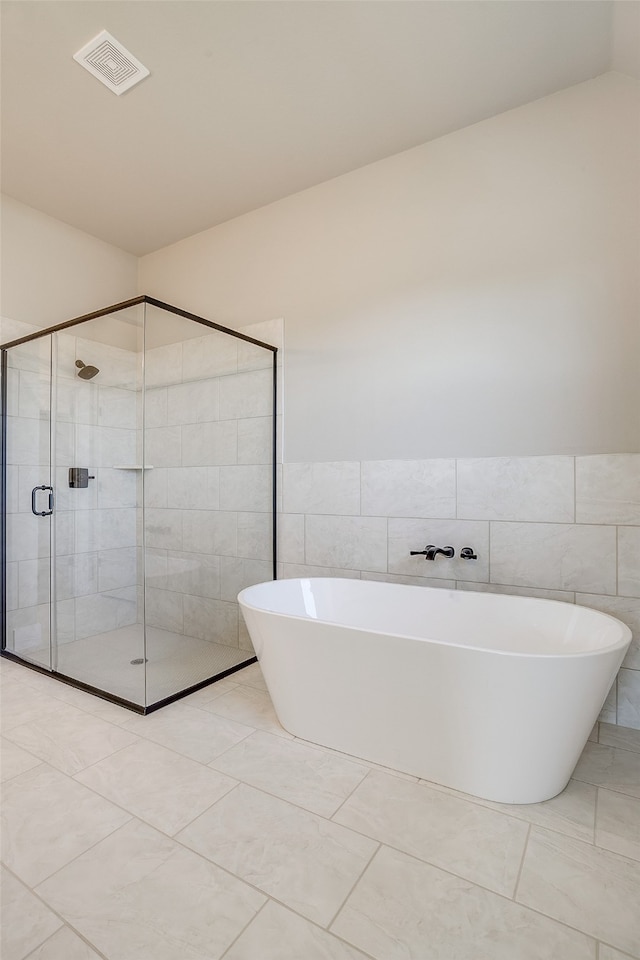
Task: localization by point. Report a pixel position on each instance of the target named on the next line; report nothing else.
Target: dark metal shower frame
(105, 311)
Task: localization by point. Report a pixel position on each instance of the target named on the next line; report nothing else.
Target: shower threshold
(112, 664)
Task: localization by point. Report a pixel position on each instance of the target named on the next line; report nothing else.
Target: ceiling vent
(111, 63)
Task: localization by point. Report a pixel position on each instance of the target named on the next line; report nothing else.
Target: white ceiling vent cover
(111, 63)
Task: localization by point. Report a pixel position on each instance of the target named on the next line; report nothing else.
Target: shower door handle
(42, 513)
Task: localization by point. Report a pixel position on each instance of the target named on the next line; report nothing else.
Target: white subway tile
(629, 561)
(212, 532)
(246, 488)
(163, 608)
(291, 571)
(411, 581)
(115, 488)
(209, 444)
(116, 407)
(357, 543)
(155, 407)
(414, 534)
(27, 441)
(237, 573)
(77, 575)
(608, 489)
(12, 489)
(34, 395)
(516, 488)
(65, 524)
(162, 447)
(34, 582)
(255, 536)
(554, 556)
(104, 446)
(66, 445)
(251, 356)
(291, 537)
(118, 367)
(193, 402)
(629, 698)
(212, 355)
(246, 395)
(64, 612)
(104, 529)
(163, 529)
(196, 574)
(117, 568)
(255, 440)
(193, 488)
(100, 613)
(155, 488)
(163, 365)
(27, 536)
(12, 586)
(332, 488)
(409, 488)
(563, 596)
(214, 620)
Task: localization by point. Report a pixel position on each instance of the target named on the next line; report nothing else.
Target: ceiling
(248, 102)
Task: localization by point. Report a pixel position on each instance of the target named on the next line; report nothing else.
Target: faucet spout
(430, 552)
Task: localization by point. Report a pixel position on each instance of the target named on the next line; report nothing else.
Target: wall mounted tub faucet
(430, 552)
(467, 553)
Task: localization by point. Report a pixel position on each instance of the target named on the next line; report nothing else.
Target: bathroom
(458, 339)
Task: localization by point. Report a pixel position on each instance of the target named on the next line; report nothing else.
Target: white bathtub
(492, 695)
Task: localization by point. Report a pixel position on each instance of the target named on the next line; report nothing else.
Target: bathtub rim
(624, 642)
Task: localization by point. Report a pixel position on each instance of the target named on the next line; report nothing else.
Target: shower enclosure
(138, 498)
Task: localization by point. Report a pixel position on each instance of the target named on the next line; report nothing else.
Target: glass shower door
(97, 606)
(29, 496)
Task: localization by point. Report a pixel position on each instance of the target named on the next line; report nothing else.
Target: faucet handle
(467, 554)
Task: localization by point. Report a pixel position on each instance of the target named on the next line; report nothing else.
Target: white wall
(474, 296)
(52, 272)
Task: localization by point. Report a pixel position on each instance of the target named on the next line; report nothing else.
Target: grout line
(575, 490)
(521, 868)
(595, 814)
(348, 797)
(65, 923)
(246, 927)
(354, 885)
(261, 891)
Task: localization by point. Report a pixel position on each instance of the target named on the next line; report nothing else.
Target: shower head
(86, 372)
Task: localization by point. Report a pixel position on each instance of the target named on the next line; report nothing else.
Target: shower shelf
(132, 466)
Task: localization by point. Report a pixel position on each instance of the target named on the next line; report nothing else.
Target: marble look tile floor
(206, 831)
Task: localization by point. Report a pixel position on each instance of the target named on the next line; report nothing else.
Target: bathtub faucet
(430, 552)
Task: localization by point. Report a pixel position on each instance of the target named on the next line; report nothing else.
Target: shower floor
(174, 662)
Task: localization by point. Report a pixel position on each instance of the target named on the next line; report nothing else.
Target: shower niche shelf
(132, 466)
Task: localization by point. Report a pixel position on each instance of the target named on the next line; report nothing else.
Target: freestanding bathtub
(492, 695)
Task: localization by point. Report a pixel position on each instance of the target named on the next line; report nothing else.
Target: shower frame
(77, 321)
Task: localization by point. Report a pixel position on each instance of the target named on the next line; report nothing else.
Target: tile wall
(95, 528)
(208, 498)
(207, 526)
(566, 528)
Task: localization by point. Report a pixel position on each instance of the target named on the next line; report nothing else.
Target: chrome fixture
(430, 552)
(467, 554)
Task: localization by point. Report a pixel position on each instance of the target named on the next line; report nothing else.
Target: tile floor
(205, 831)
